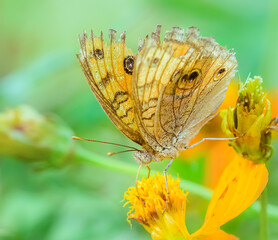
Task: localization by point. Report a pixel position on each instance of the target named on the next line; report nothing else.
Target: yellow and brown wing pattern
(108, 69)
(178, 85)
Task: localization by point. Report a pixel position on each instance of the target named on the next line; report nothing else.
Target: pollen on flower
(250, 122)
(251, 95)
(147, 205)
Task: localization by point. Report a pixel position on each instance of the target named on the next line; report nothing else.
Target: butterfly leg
(136, 181)
(166, 183)
(209, 139)
(149, 171)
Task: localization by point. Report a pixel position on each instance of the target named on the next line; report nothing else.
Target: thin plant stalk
(83, 155)
(263, 216)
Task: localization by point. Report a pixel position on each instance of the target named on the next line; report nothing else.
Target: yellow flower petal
(220, 156)
(221, 235)
(239, 186)
(147, 207)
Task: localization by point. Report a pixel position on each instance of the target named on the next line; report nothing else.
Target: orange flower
(273, 97)
(250, 122)
(218, 153)
(240, 185)
(147, 206)
(221, 235)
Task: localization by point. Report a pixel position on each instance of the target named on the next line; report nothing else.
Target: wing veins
(156, 73)
(143, 96)
(106, 105)
(200, 91)
(112, 63)
(184, 89)
(157, 116)
(137, 103)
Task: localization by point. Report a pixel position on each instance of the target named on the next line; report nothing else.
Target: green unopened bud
(250, 121)
(28, 136)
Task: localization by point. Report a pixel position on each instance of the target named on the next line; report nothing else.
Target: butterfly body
(161, 97)
(148, 155)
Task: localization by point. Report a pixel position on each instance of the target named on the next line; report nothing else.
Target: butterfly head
(147, 155)
(143, 157)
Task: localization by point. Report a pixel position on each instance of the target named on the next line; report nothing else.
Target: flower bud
(28, 136)
(250, 122)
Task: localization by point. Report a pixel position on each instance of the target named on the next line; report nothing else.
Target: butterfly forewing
(108, 68)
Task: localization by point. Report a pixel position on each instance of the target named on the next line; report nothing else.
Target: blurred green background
(38, 67)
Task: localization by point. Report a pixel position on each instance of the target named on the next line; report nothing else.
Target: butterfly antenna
(114, 153)
(90, 140)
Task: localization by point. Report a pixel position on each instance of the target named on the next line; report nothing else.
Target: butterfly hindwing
(185, 86)
(154, 66)
(198, 92)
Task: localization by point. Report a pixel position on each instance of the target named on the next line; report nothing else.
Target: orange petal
(221, 235)
(220, 157)
(274, 102)
(239, 186)
(231, 95)
(191, 154)
(209, 130)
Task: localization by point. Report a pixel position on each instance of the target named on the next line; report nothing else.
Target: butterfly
(161, 97)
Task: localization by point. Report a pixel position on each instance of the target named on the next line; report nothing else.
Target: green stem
(83, 155)
(263, 216)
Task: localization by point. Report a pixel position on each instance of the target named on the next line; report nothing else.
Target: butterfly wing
(108, 69)
(154, 66)
(178, 85)
(197, 88)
